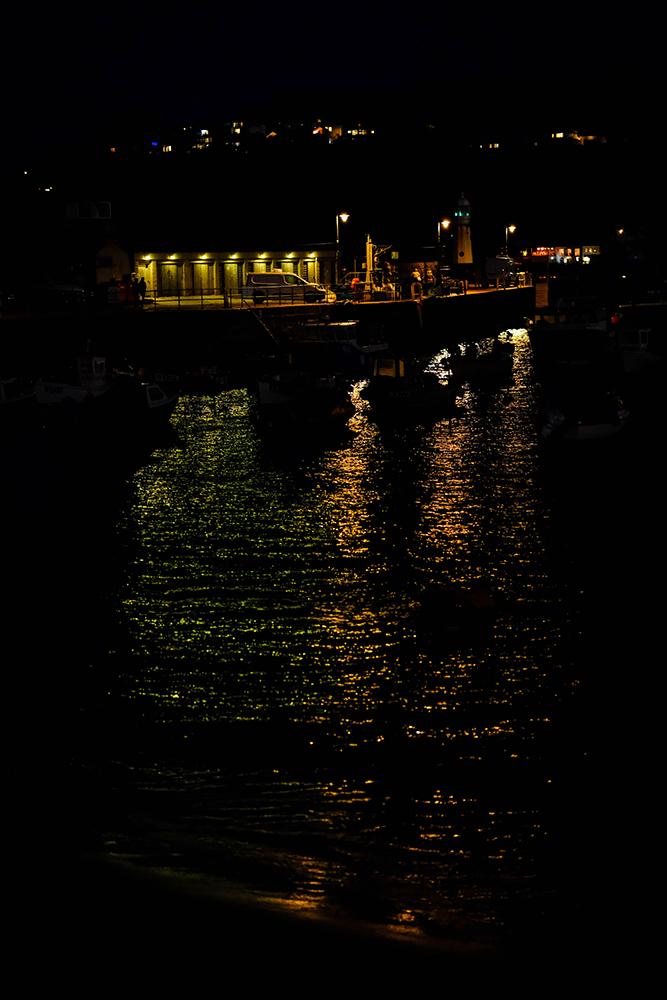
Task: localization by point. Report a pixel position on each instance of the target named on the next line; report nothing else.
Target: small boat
(401, 390)
(17, 392)
(91, 382)
(141, 396)
(326, 332)
(634, 352)
(323, 345)
(18, 405)
(589, 418)
(288, 395)
(99, 396)
(573, 332)
(201, 380)
(472, 366)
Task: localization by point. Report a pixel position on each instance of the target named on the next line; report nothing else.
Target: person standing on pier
(417, 287)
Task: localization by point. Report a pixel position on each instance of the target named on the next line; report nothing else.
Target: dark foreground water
(221, 671)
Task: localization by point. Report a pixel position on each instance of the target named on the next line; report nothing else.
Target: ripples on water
(300, 734)
(276, 589)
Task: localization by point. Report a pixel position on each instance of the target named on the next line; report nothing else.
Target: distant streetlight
(445, 224)
(508, 230)
(339, 218)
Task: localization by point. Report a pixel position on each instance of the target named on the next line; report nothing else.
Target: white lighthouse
(463, 244)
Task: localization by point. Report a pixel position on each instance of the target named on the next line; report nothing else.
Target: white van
(283, 286)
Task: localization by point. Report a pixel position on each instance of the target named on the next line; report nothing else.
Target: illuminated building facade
(563, 254)
(188, 273)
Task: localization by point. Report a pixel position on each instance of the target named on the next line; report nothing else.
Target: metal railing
(235, 297)
(238, 296)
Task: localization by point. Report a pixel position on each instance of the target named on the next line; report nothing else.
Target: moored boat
(323, 345)
(573, 332)
(589, 416)
(473, 366)
(102, 397)
(401, 390)
(632, 345)
(18, 405)
(288, 396)
(17, 392)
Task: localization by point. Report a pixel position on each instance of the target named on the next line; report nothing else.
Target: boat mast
(369, 264)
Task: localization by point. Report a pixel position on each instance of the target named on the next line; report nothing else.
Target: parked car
(283, 286)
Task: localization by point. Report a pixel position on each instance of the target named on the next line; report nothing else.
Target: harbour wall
(177, 340)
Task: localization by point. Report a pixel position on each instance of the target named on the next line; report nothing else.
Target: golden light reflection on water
(286, 584)
(318, 566)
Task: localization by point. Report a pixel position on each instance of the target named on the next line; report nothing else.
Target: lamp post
(441, 225)
(506, 269)
(339, 218)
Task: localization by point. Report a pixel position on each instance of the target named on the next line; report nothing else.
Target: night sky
(71, 73)
(87, 79)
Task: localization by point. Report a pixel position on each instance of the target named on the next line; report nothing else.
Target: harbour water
(230, 677)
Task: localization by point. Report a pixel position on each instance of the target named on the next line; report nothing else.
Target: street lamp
(339, 218)
(508, 230)
(445, 224)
